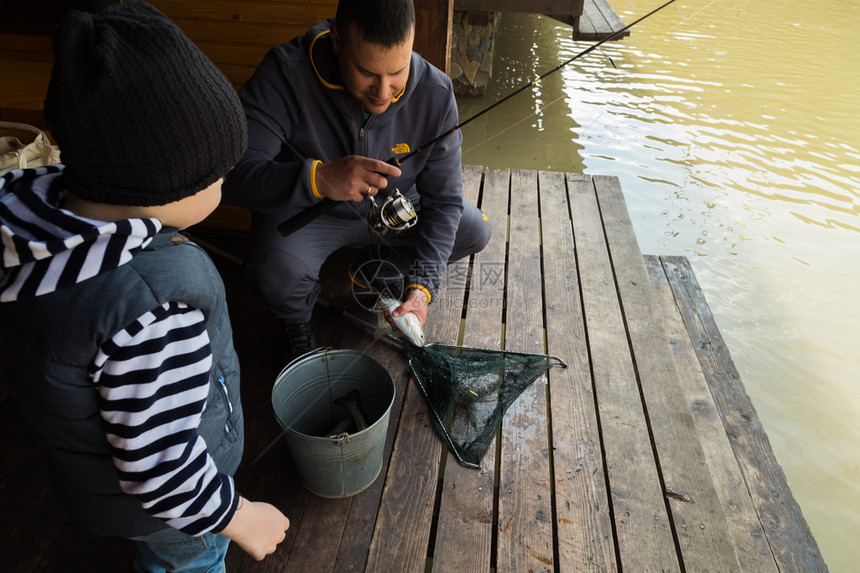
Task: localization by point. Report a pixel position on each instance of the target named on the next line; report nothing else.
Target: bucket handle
(311, 354)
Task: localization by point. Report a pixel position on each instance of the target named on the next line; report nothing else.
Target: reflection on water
(734, 127)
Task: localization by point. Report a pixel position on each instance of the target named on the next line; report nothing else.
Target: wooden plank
(586, 29)
(13, 44)
(228, 218)
(585, 538)
(237, 55)
(591, 11)
(433, 24)
(401, 536)
(788, 534)
(578, 9)
(25, 66)
(316, 542)
(267, 472)
(342, 529)
(598, 20)
(291, 13)
(464, 531)
(432, 35)
(571, 18)
(611, 16)
(743, 523)
(321, 529)
(252, 33)
(29, 87)
(337, 540)
(534, 7)
(24, 58)
(525, 513)
(335, 533)
(762, 518)
(31, 116)
(699, 523)
(642, 528)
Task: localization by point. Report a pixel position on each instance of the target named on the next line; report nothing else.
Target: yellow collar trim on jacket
(313, 63)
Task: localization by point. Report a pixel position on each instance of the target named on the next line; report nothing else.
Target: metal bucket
(304, 402)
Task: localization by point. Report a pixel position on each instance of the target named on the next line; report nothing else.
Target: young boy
(114, 335)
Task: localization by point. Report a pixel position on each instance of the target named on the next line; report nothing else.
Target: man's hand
(353, 177)
(257, 528)
(416, 302)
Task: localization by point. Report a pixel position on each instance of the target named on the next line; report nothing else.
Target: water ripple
(734, 127)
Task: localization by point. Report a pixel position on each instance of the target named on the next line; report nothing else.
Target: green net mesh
(470, 389)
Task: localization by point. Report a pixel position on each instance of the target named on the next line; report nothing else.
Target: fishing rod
(301, 219)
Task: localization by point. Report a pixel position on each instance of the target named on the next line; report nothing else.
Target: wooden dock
(598, 21)
(594, 20)
(645, 454)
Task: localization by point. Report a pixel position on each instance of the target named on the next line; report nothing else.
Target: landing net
(470, 389)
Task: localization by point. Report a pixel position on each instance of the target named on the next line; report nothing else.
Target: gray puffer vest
(48, 374)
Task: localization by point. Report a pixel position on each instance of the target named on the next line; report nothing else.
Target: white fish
(407, 323)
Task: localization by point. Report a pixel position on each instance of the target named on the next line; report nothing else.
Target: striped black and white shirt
(152, 376)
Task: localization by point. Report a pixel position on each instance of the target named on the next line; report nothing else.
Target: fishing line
(303, 218)
(459, 126)
(654, 38)
(316, 400)
(510, 126)
(584, 52)
(611, 61)
(377, 335)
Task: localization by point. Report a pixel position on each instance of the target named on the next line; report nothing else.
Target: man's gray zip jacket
(299, 113)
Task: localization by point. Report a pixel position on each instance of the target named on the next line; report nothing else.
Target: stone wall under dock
(472, 42)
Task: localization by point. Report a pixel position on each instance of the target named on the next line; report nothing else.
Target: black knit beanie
(141, 115)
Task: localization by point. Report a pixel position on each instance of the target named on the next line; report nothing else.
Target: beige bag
(17, 155)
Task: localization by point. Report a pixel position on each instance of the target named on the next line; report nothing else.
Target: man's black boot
(300, 340)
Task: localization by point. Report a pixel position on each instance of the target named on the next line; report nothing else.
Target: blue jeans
(172, 550)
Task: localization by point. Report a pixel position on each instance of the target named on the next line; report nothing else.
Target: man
(327, 112)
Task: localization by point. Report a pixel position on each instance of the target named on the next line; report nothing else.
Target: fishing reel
(395, 214)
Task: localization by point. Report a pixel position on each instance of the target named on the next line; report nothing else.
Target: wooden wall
(235, 34)
(25, 66)
(434, 20)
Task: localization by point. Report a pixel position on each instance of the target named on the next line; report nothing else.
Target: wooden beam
(585, 533)
(525, 524)
(643, 533)
(743, 523)
(464, 532)
(701, 531)
(433, 20)
(793, 546)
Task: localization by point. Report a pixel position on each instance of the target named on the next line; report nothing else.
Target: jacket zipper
(227, 397)
(364, 206)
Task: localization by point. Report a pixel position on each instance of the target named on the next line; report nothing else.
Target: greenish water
(734, 127)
